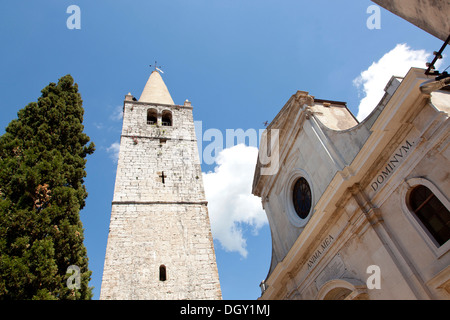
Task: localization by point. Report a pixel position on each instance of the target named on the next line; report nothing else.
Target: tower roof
(155, 91)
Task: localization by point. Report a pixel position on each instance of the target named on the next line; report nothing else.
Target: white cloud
(113, 151)
(396, 62)
(231, 205)
(117, 113)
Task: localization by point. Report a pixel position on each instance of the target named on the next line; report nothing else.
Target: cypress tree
(42, 166)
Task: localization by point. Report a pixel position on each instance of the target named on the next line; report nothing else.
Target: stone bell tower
(160, 244)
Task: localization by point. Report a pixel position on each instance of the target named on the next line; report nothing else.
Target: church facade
(159, 244)
(360, 210)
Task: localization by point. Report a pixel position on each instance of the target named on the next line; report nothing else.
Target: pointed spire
(155, 90)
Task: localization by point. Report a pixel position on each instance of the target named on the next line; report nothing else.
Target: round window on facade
(302, 198)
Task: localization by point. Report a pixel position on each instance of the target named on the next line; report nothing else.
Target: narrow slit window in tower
(162, 273)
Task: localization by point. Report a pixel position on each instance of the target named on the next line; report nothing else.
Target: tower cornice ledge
(158, 104)
(158, 137)
(202, 202)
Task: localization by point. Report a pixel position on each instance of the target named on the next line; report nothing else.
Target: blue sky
(238, 62)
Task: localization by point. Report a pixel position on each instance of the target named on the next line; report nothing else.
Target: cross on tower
(162, 176)
(156, 66)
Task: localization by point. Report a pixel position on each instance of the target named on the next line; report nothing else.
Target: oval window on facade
(302, 198)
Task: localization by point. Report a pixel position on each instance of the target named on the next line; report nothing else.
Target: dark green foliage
(42, 166)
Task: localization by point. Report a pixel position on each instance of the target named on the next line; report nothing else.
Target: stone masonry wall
(144, 237)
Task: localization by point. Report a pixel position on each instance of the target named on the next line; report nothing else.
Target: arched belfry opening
(152, 116)
(166, 119)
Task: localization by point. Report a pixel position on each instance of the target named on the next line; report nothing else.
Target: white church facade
(360, 210)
